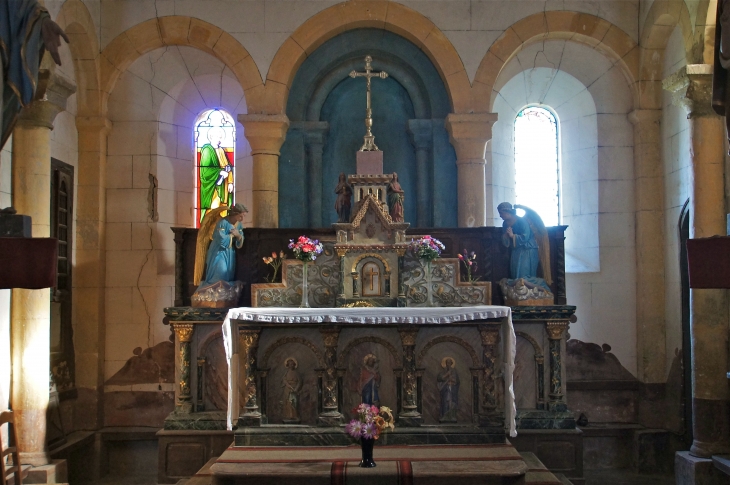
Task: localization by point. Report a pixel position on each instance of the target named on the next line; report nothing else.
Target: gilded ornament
(184, 331)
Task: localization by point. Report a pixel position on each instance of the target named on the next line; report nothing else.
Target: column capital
(53, 91)
(691, 88)
(313, 131)
(420, 133)
(265, 133)
(556, 328)
(184, 331)
(469, 133)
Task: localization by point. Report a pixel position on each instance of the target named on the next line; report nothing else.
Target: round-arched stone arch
(74, 18)
(159, 32)
(600, 34)
(356, 14)
(660, 22)
(355, 342)
(291, 340)
(450, 338)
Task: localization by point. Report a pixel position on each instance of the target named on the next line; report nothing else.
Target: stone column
(692, 88)
(183, 397)
(90, 284)
(409, 415)
(330, 415)
(401, 281)
(265, 134)
(491, 415)
(556, 332)
(649, 173)
(248, 339)
(315, 133)
(421, 135)
(30, 314)
(469, 134)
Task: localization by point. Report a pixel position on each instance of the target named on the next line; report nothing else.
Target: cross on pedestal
(369, 144)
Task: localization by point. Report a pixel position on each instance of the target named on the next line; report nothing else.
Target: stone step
(563, 479)
(537, 473)
(722, 463)
(203, 477)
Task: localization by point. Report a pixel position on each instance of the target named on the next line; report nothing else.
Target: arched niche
(326, 108)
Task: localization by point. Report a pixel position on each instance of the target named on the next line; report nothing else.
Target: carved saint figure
(343, 204)
(26, 31)
(396, 196)
(448, 385)
(370, 380)
(292, 384)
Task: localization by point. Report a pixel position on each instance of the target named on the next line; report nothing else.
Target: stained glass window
(215, 139)
(537, 166)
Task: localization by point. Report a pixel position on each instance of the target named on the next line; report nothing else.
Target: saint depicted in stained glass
(215, 138)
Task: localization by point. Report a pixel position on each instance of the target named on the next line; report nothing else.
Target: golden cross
(373, 273)
(369, 144)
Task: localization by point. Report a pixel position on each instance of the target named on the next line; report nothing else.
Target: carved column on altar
(469, 134)
(692, 88)
(401, 278)
(30, 310)
(409, 415)
(248, 342)
(183, 398)
(421, 135)
(330, 415)
(556, 332)
(491, 413)
(265, 134)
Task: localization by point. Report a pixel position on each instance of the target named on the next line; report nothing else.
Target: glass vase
(367, 452)
(305, 289)
(429, 286)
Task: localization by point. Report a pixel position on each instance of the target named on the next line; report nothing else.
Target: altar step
(530, 471)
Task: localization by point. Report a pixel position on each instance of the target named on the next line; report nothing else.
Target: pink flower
(354, 428)
(369, 431)
(461, 257)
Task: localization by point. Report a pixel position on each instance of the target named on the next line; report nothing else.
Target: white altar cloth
(375, 316)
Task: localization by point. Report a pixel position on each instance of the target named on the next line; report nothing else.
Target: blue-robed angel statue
(215, 257)
(530, 245)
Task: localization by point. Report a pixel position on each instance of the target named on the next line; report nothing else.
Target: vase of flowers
(305, 250)
(469, 260)
(427, 249)
(275, 261)
(369, 423)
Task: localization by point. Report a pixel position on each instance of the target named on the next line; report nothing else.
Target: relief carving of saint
(292, 384)
(448, 386)
(369, 384)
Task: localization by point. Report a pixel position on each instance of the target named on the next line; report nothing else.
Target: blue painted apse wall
(323, 91)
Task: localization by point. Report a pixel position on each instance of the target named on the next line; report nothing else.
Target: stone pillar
(248, 339)
(469, 134)
(556, 332)
(409, 415)
(330, 415)
(183, 397)
(692, 88)
(30, 309)
(315, 135)
(90, 284)
(491, 415)
(421, 135)
(649, 173)
(265, 134)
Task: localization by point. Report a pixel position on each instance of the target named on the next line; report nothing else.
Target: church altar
(373, 332)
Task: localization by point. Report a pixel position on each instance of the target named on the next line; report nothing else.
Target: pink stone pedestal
(370, 163)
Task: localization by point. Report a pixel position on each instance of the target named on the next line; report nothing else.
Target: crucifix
(369, 145)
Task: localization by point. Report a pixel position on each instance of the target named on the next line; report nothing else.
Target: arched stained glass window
(215, 141)
(537, 165)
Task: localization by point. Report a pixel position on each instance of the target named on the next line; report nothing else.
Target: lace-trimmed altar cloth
(374, 316)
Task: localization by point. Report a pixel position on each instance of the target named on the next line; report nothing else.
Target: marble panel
(444, 389)
(356, 376)
(292, 392)
(215, 378)
(525, 375)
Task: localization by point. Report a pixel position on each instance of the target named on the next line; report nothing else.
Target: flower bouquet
(469, 260)
(306, 250)
(275, 261)
(370, 422)
(427, 249)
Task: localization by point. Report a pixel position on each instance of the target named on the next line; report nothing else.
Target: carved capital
(556, 329)
(53, 91)
(691, 88)
(330, 336)
(408, 336)
(248, 339)
(469, 134)
(490, 335)
(184, 331)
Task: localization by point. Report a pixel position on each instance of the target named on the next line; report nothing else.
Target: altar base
(465, 465)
